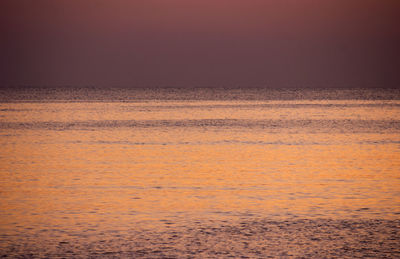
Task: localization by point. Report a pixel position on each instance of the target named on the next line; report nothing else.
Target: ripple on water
(260, 238)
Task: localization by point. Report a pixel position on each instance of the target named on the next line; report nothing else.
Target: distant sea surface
(199, 172)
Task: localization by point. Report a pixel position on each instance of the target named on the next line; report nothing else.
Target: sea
(199, 173)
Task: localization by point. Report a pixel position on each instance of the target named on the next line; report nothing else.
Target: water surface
(130, 172)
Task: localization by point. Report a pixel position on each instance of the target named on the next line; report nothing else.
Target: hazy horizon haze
(207, 43)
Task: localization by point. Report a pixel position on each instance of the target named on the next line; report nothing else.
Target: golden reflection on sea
(115, 166)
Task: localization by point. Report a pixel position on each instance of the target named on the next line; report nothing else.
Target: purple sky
(185, 43)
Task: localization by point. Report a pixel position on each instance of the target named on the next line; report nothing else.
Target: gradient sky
(184, 43)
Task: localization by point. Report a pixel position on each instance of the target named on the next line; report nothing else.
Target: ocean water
(199, 172)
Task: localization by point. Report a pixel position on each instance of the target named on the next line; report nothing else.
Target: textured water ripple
(256, 238)
(361, 126)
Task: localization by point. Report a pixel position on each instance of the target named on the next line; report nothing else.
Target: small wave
(311, 126)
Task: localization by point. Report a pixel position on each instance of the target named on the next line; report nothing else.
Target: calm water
(112, 173)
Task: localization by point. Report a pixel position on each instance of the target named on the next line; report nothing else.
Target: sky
(200, 43)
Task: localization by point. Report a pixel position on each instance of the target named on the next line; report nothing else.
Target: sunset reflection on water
(91, 168)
